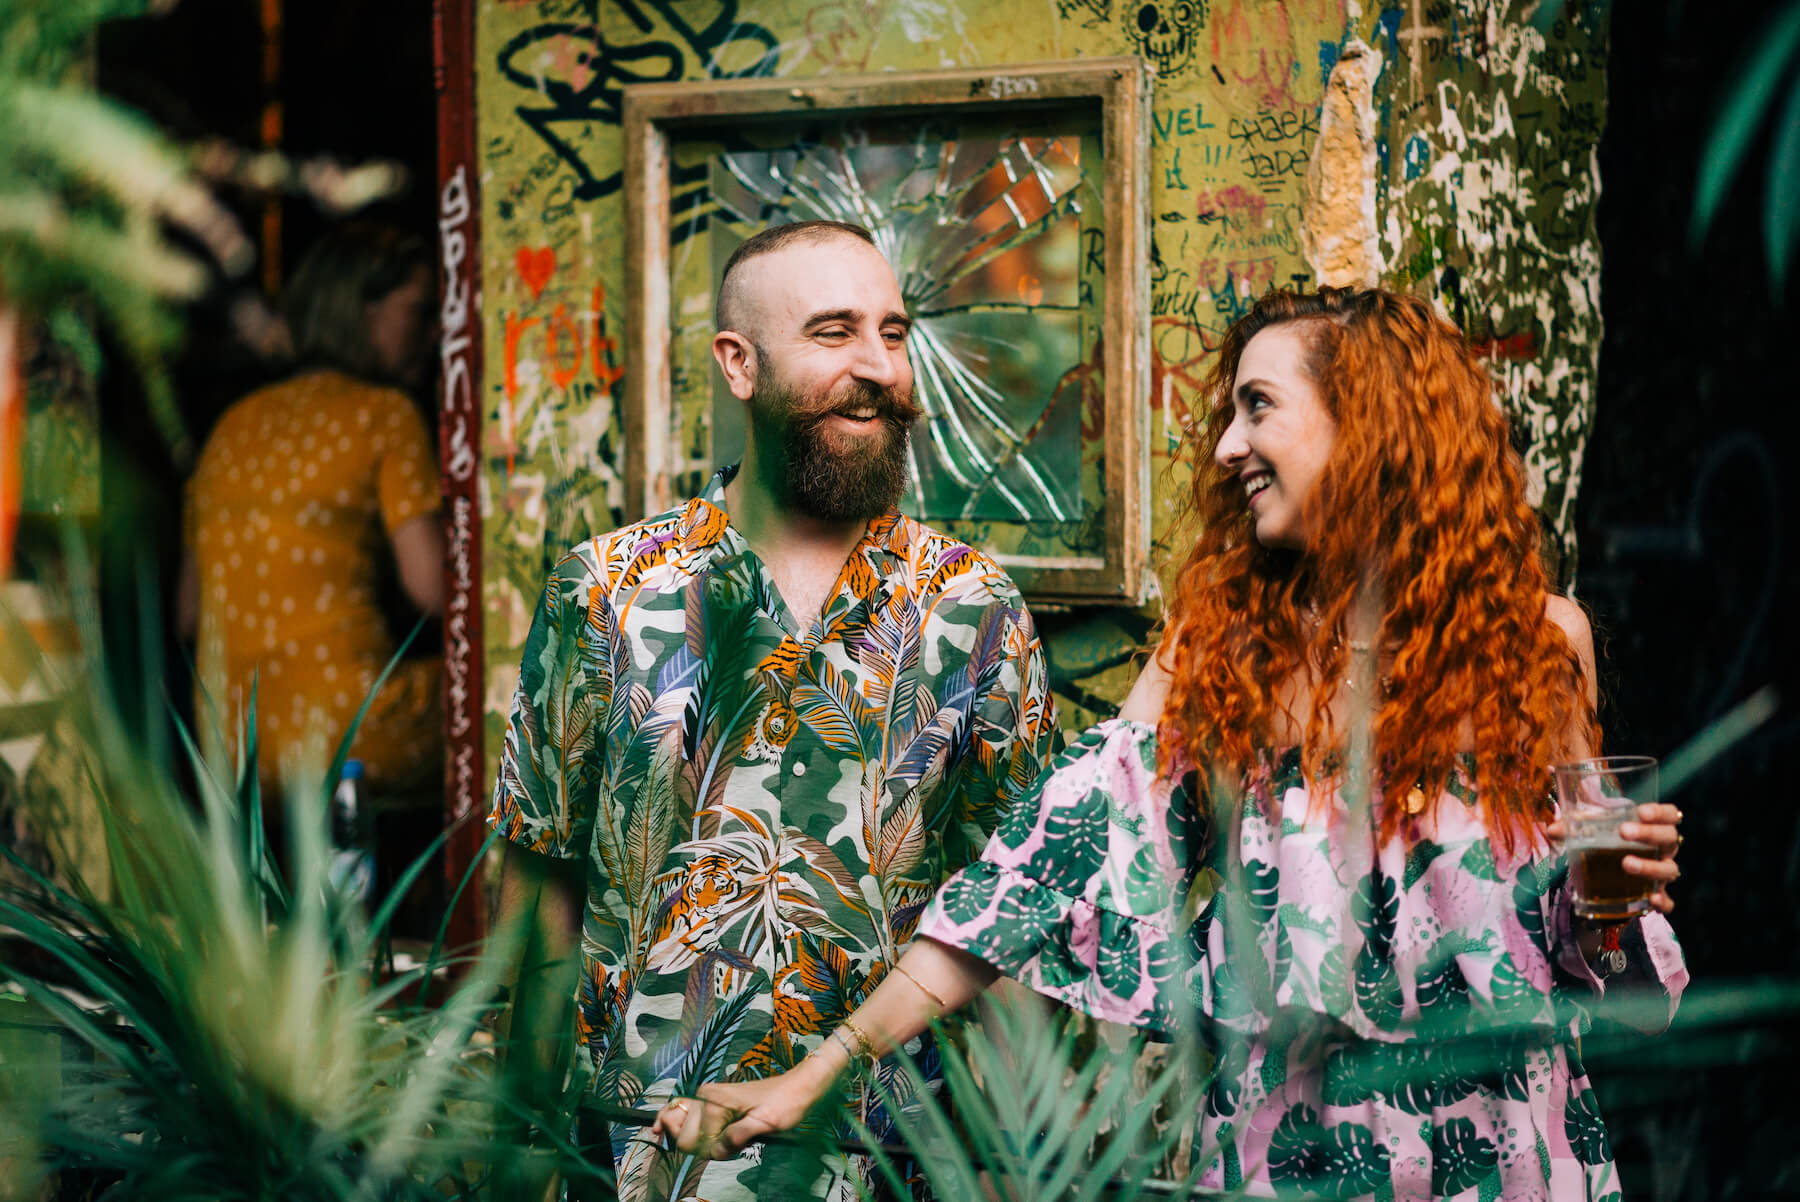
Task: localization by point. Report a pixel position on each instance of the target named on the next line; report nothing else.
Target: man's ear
(736, 356)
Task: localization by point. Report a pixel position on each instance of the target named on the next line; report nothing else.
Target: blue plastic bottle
(353, 860)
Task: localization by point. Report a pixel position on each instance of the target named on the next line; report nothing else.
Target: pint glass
(1596, 796)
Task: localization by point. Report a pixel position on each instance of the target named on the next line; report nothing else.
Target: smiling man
(755, 733)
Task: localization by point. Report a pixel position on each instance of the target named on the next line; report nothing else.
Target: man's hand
(726, 1116)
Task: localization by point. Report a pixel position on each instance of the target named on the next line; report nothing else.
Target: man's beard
(799, 466)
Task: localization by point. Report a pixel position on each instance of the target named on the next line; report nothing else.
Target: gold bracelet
(931, 997)
(862, 1038)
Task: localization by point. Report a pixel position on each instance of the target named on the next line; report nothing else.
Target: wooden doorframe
(459, 443)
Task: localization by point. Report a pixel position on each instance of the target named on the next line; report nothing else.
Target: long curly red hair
(1420, 510)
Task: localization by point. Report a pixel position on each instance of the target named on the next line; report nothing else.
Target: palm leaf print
(721, 713)
(824, 862)
(569, 724)
(835, 711)
(902, 838)
(890, 661)
(929, 745)
(649, 833)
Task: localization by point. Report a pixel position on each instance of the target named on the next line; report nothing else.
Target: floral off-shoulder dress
(1340, 983)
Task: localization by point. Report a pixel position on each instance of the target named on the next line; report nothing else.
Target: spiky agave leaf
(241, 1051)
(1029, 1115)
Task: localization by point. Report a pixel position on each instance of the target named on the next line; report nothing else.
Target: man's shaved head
(736, 307)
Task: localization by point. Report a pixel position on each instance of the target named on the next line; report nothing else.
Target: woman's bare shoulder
(1151, 690)
(1572, 619)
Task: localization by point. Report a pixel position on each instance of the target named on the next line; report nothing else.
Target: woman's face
(1280, 434)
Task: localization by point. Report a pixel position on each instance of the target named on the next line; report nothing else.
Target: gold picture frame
(1093, 557)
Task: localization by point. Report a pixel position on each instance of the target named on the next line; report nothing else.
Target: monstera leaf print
(1375, 908)
(1074, 846)
(1460, 1158)
(1148, 889)
(1262, 888)
(1058, 967)
(1342, 1162)
(1443, 996)
(1028, 914)
(1418, 859)
(1283, 955)
(1377, 988)
(1334, 981)
(1528, 904)
(969, 893)
(1587, 1134)
(1119, 955)
(1224, 1091)
(1478, 861)
(1515, 1001)
(1414, 1077)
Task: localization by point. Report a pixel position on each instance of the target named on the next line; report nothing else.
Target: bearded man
(753, 734)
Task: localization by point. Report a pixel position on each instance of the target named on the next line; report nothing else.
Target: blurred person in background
(308, 495)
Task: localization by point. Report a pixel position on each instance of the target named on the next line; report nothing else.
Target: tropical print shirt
(1388, 1019)
(764, 809)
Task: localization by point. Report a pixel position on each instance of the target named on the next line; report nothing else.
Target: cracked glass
(992, 225)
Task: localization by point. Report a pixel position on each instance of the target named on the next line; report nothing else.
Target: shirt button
(799, 767)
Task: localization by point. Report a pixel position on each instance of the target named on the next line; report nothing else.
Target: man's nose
(879, 363)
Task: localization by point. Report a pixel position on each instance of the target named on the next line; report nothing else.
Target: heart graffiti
(536, 267)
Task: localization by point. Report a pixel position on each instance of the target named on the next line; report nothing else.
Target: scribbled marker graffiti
(579, 76)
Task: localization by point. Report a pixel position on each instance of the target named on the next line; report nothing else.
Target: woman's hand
(726, 1116)
(1658, 826)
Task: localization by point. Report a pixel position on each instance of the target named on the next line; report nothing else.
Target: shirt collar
(705, 522)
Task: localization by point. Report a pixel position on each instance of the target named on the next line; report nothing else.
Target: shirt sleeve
(550, 763)
(406, 467)
(1014, 733)
(1656, 971)
(1078, 895)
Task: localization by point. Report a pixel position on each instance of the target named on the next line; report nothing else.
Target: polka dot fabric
(290, 515)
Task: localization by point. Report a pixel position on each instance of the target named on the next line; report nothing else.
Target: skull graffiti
(1165, 32)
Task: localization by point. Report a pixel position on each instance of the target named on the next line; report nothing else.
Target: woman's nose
(1232, 447)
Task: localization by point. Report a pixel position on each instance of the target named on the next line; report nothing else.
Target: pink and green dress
(1384, 1016)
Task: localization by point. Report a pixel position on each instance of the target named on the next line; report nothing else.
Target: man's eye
(894, 336)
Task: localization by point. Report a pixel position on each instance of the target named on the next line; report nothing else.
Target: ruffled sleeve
(1077, 894)
(1655, 966)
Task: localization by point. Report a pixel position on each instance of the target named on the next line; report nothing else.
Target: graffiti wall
(1446, 147)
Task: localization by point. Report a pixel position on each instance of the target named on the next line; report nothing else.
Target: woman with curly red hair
(1322, 824)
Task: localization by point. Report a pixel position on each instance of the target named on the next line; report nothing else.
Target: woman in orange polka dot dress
(305, 493)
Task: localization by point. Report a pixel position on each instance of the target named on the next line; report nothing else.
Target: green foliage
(90, 193)
(232, 1035)
(1023, 1112)
(87, 188)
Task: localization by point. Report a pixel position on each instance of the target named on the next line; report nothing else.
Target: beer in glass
(1596, 796)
